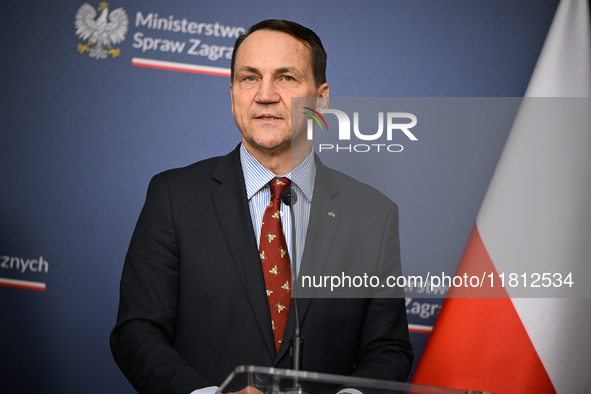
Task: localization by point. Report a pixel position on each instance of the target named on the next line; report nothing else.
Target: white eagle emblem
(100, 33)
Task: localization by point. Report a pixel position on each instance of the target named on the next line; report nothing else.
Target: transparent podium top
(286, 381)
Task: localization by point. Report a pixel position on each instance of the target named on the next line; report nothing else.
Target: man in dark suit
(194, 298)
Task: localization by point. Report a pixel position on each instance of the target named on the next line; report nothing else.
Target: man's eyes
(283, 78)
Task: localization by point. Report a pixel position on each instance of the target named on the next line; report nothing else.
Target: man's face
(271, 67)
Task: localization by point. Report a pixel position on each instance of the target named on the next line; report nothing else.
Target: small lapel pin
(331, 214)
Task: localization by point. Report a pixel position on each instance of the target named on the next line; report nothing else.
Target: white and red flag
(536, 215)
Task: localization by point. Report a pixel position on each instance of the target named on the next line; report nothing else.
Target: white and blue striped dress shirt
(257, 179)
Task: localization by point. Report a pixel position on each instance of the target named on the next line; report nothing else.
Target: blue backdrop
(81, 137)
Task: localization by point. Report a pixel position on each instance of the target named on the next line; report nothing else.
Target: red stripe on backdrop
(21, 284)
(167, 68)
(182, 67)
(420, 329)
(480, 343)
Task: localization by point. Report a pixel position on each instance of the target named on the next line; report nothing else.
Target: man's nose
(267, 92)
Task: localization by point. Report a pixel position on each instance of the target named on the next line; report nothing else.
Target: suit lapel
(322, 229)
(231, 207)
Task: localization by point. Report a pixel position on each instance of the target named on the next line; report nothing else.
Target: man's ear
(322, 100)
(231, 100)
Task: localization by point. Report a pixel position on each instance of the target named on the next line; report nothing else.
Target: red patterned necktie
(275, 261)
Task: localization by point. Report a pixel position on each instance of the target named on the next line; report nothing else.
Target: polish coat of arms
(103, 32)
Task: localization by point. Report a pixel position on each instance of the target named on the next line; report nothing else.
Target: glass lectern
(286, 381)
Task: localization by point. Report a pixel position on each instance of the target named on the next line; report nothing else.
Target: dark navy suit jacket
(193, 303)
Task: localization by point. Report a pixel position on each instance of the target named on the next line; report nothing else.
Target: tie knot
(277, 186)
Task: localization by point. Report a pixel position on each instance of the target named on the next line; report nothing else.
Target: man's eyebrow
(289, 69)
(248, 69)
(286, 70)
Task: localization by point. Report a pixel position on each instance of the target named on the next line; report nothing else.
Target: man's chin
(269, 146)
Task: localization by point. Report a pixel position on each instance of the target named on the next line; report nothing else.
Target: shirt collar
(256, 176)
